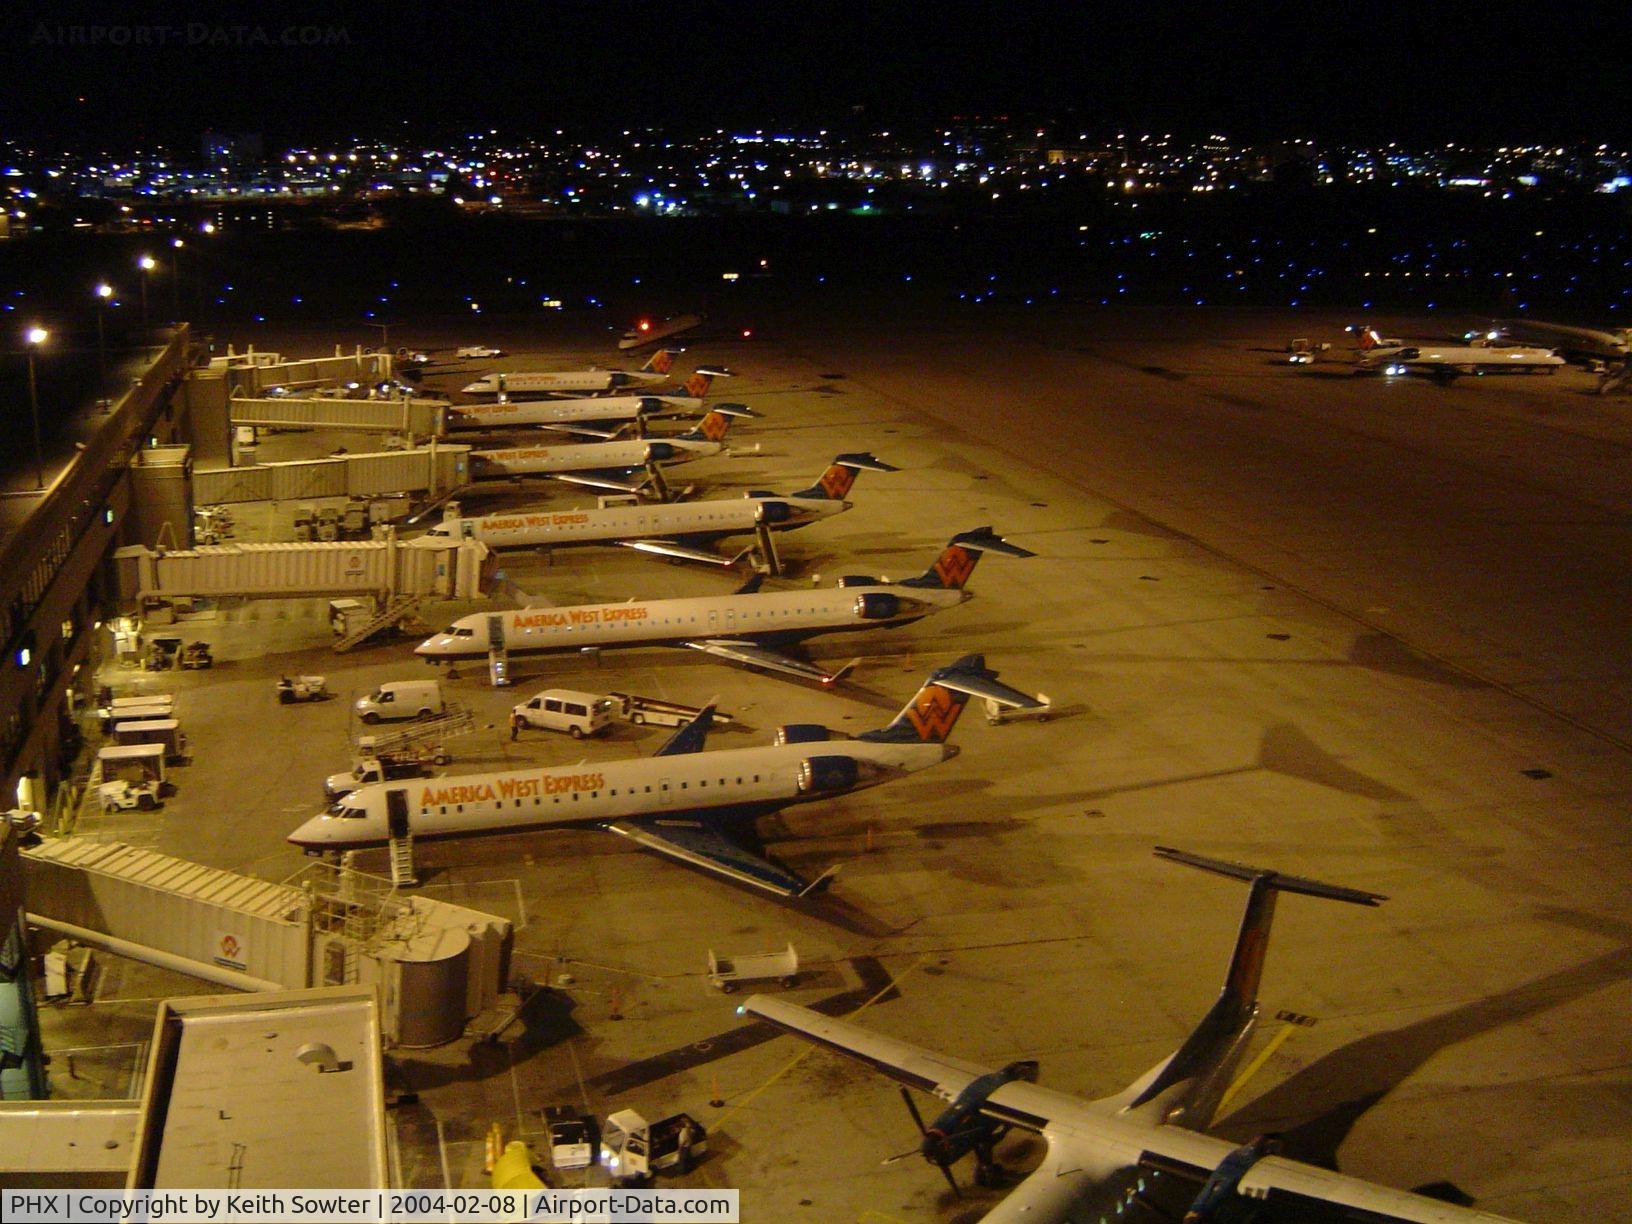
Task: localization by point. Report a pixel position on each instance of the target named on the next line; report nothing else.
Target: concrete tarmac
(1354, 628)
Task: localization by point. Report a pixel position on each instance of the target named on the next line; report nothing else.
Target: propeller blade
(912, 1108)
(901, 1156)
(951, 1181)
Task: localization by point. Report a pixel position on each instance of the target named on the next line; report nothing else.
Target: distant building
(233, 150)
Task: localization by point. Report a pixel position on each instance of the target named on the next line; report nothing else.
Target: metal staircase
(393, 610)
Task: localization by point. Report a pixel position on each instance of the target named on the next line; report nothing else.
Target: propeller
(918, 1121)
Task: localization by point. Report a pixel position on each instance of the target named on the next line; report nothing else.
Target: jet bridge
(410, 417)
(437, 965)
(389, 569)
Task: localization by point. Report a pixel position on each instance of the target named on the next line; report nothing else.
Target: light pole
(146, 263)
(36, 336)
(175, 277)
(104, 291)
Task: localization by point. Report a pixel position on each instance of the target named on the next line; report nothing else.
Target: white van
(401, 699)
(578, 714)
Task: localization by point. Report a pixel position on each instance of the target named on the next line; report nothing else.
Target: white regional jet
(695, 806)
(669, 529)
(743, 628)
(1104, 1156)
(1448, 360)
(609, 465)
(581, 416)
(575, 382)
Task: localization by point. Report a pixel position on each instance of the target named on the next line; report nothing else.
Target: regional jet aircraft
(1449, 360)
(575, 382)
(648, 332)
(1104, 1156)
(582, 416)
(695, 806)
(669, 529)
(743, 628)
(609, 465)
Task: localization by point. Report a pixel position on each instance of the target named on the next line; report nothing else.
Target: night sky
(106, 73)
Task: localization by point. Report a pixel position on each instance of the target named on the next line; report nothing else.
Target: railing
(36, 551)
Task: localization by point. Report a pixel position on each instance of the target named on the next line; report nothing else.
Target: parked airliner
(582, 414)
(695, 806)
(743, 628)
(669, 529)
(1115, 1158)
(608, 465)
(575, 382)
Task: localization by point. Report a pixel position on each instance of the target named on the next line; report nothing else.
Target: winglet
(836, 676)
(820, 883)
(691, 737)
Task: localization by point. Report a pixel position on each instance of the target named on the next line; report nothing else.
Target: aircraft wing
(669, 548)
(704, 845)
(900, 1060)
(614, 479)
(580, 429)
(752, 654)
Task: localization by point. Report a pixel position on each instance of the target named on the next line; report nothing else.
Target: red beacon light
(644, 325)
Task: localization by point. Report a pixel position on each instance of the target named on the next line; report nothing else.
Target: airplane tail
(716, 423)
(1202, 1067)
(702, 378)
(661, 362)
(957, 561)
(835, 483)
(932, 713)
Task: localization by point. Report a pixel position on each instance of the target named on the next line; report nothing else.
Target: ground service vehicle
(578, 714)
(397, 699)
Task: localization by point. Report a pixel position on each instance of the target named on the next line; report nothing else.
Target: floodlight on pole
(36, 336)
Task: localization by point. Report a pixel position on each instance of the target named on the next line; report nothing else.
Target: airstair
(393, 610)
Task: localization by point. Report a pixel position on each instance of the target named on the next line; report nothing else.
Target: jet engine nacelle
(860, 580)
(657, 452)
(878, 605)
(822, 774)
(773, 512)
(803, 733)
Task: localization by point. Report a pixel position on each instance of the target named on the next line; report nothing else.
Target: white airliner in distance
(1392, 356)
(695, 806)
(609, 465)
(744, 628)
(1593, 343)
(669, 529)
(583, 414)
(575, 382)
(649, 331)
(1104, 1156)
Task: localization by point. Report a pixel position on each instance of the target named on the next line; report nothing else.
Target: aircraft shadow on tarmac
(545, 1020)
(1282, 749)
(1367, 1070)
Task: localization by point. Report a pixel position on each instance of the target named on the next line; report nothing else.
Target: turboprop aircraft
(575, 382)
(669, 529)
(745, 627)
(609, 465)
(695, 806)
(582, 416)
(1106, 1155)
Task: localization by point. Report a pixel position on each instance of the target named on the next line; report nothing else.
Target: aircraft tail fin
(702, 378)
(957, 561)
(692, 736)
(1201, 1067)
(661, 362)
(713, 427)
(932, 713)
(835, 483)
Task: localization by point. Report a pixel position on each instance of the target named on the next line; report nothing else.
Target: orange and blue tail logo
(934, 712)
(837, 482)
(714, 426)
(662, 361)
(698, 384)
(954, 566)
